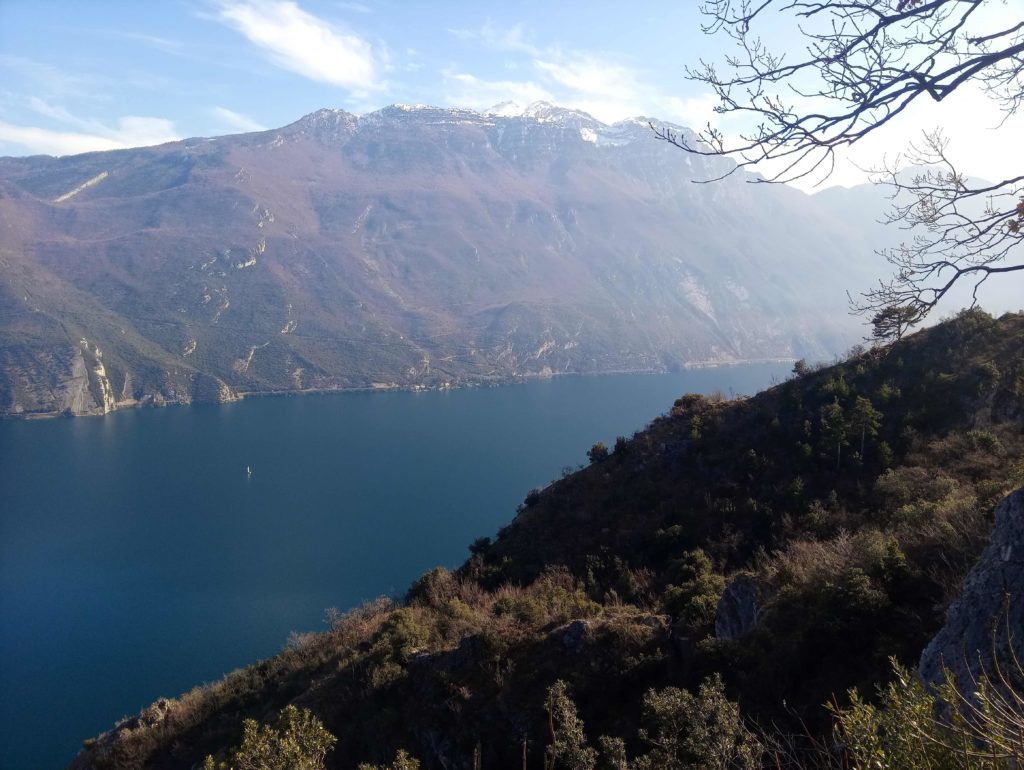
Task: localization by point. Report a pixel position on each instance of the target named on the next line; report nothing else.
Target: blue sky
(80, 75)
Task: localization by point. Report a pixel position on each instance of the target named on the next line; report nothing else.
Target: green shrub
(985, 441)
(297, 741)
(913, 484)
(911, 728)
(456, 609)
(433, 589)
(690, 402)
(986, 377)
(402, 762)
(554, 597)
(403, 634)
(695, 732)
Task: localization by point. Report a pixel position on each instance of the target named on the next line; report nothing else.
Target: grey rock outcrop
(986, 624)
(737, 611)
(574, 635)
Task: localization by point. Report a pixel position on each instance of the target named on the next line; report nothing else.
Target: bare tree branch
(864, 63)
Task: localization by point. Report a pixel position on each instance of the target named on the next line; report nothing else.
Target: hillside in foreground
(792, 542)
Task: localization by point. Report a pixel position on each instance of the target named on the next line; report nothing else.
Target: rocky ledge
(984, 630)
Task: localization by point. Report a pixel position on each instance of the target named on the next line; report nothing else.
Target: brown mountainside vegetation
(837, 513)
(411, 247)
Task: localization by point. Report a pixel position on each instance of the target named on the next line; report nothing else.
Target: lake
(139, 558)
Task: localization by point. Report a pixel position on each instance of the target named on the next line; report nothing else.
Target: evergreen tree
(866, 419)
(568, 748)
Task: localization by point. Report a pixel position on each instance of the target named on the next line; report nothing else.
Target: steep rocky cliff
(984, 630)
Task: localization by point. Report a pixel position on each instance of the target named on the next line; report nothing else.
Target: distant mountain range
(410, 247)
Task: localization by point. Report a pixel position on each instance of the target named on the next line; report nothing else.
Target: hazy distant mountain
(409, 247)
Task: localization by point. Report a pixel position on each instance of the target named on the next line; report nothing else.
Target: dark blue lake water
(138, 558)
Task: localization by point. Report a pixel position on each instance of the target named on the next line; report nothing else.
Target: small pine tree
(696, 588)
(833, 428)
(865, 419)
(568, 748)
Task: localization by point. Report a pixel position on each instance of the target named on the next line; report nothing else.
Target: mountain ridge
(411, 247)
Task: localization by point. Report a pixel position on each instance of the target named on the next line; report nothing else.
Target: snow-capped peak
(504, 110)
(414, 107)
(326, 121)
(637, 120)
(542, 111)
(546, 111)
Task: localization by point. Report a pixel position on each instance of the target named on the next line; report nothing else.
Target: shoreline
(519, 379)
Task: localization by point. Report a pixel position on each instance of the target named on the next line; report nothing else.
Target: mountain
(792, 544)
(410, 247)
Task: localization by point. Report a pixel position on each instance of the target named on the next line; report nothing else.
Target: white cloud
(694, 112)
(590, 75)
(303, 43)
(510, 39)
(131, 131)
(167, 45)
(980, 143)
(136, 131)
(612, 89)
(599, 84)
(45, 141)
(54, 111)
(39, 77)
(469, 91)
(236, 121)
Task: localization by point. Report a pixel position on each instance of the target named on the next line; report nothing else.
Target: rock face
(988, 618)
(737, 610)
(574, 635)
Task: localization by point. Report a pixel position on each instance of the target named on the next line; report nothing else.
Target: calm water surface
(138, 558)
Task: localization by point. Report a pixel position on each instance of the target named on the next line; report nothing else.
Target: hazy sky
(83, 75)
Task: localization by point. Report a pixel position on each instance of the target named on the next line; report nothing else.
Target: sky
(83, 75)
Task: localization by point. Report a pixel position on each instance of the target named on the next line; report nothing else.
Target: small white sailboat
(248, 472)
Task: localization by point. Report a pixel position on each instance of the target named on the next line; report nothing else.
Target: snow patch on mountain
(505, 110)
